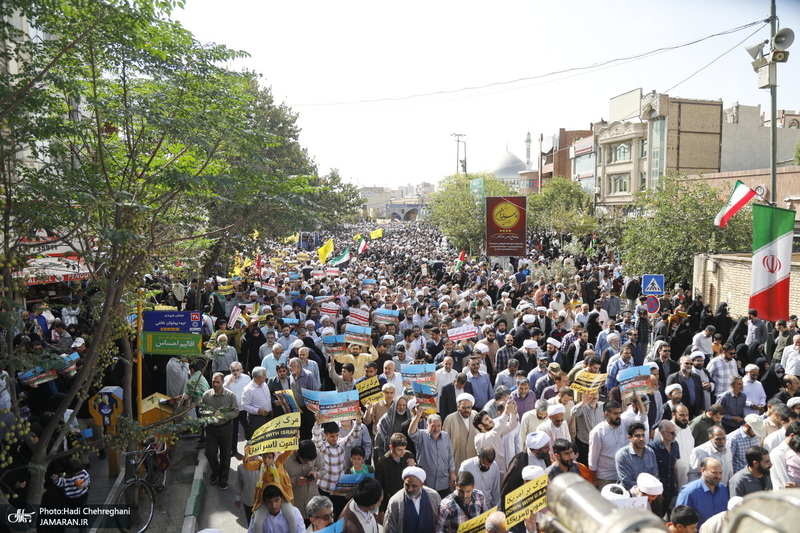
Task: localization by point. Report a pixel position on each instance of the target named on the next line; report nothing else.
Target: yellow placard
(477, 524)
(357, 237)
(225, 290)
(165, 308)
(277, 435)
(377, 234)
(529, 498)
(302, 256)
(369, 391)
(586, 382)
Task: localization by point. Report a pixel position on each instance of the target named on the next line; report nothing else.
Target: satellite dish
(782, 40)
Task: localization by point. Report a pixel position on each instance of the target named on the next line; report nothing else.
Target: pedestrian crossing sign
(653, 284)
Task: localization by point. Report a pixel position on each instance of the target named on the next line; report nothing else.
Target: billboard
(506, 225)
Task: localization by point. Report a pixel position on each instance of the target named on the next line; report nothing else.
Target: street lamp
(766, 66)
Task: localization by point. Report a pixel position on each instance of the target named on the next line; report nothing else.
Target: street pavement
(218, 510)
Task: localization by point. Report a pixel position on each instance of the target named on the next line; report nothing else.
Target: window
(642, 181)
(794, 124)
(618, 184)
(623, 152)
(644, 148)
(658, 149)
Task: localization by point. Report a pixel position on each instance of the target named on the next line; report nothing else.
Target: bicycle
(139, 492)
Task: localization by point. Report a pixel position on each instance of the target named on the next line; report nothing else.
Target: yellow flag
(377, 234)
(357, 237)
(292, 239)
(325, 250)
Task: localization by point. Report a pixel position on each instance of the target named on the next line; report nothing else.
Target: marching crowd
(720, 420)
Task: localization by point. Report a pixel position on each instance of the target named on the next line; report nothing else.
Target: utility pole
(458, 151)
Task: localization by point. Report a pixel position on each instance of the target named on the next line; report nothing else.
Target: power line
(540, 76)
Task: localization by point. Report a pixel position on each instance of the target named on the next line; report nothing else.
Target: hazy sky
(331, 61)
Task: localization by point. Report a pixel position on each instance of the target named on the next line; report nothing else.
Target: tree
(561, 207)
(459, 215)
(144, 126)
(797, 153)
(667, 226)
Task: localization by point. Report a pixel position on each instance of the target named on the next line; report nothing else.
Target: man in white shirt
(754, 391)
(791, 357)
(704, 340)
(444, 376)
(395, 378)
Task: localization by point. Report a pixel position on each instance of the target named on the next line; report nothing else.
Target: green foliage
(458, 214)
(797, 153)
(561, 207)
(666, 227)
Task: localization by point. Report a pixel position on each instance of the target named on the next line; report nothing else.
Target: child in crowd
(357, 455)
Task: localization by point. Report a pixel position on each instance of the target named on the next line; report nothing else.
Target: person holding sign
(464, 504)
(434, 452)
(333, 453)
(491, 431)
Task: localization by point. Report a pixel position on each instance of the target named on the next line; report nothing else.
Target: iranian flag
(739, 197)
(362, 245)
(772, 261)
(342, 259)
(462, 258)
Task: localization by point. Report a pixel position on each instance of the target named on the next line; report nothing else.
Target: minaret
(528, 150)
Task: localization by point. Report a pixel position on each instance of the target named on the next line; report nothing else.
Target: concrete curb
(195, 501)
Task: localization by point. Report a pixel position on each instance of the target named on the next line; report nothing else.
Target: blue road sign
(653, 284)
(177, 321)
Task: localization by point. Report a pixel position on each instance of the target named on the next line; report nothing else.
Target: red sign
(506, 225)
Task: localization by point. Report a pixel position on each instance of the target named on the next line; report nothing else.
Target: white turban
(554, 342)
(531, 472)
(649, 484)
(528, 319)
(670, 388)
(555, 410)
(465, 396)
(537, 440)
(530, 344)
(415, 471)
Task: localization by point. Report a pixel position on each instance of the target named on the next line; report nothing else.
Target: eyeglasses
(328, 517)
(673, 433)
(236, 370)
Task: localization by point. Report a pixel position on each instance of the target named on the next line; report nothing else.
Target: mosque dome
(509, 167)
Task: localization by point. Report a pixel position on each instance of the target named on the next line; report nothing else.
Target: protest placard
(336, 527)
(329, 308)
(357, 335)
(359, 317)
(477, 524)
(369, 391)
(347, 484)
(586, 382)
(333, 405)
(334, 345)
(285, 399)
(270, 288)
(462, 333)
(425, 374)
(636, 379)
(639, 502)
(387, 316)
(529, 498)
(367, 284)
(333, 272)
(277, 435)
(425, 395)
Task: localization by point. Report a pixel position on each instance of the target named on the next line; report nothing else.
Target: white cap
(481, 348)
(327, 331)
(77, 343)
(541, 309)
(649, 484)
(792, 402)
(556, 409)
(298, 343)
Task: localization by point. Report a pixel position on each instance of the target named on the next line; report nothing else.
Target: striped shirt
(74, 486)
(333, 456)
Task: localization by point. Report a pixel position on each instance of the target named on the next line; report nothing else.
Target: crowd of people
(721, 419)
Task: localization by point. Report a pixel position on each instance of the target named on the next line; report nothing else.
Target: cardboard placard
(586, 382)
(277, 435)
(529, 498)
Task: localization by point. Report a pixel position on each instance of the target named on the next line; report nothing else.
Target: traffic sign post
(105, 407)
(653, 284)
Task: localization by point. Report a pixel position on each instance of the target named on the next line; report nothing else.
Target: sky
(351, 70)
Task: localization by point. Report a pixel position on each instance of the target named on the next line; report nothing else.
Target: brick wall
(726, 278)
